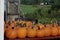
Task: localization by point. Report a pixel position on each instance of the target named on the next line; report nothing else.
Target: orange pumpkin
(31, 32)
(40, 25)
(5, 24)
(11, 33)
(54, 31)
(47, 30)
(40, 32)
(20, 21)
(17, 27)
(59, 30)
(13, 23)
(48, 25)
(22, 32)
(29, 24)
(35, 27)
(5, 29)
(55, 25)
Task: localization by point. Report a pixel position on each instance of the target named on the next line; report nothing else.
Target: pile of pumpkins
(23, 29)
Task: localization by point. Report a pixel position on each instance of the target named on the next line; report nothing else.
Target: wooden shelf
(43, 38)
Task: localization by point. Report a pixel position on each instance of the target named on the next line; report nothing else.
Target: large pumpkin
(40, 32)
(31, 32)
(11, 33)
(47, 30)
(54, 31)
(21, 32)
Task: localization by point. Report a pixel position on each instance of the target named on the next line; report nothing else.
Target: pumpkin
(13, 23)
(5, 29)
(20, 22)
(40, 32)
(5, 24)
(35, 27)
(55, 25)
(11, 33)
(54, 31)
(59, 30)
(17, 21)
(29, 24)
(40, 25)
(48, 25)
(21, 32)
(47, 30)
(31, 32)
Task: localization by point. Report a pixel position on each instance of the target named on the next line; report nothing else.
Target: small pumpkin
(11, 33)
(21, 32)
(29, 24)
(40, 32)
(55, 25)
(31, 32)
(54, 31)
(5, 29)
(35, 27)
(13, 23)
(47, 30)
(59, 30)
(40, 25)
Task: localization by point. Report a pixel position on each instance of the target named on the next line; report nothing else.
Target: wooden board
(43, 38)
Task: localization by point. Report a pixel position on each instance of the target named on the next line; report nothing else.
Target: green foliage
(31, 2)
(44, 14)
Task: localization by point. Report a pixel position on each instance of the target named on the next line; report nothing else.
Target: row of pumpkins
(23, 29)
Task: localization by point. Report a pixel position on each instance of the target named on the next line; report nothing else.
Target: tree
(31, 2)
(54, 11)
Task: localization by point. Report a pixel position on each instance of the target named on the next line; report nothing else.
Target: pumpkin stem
(36, 20)
(9, 23)
(38, 27)
(21, 24)
(12, 27)
(45, 25)
(12, 21)
(24, 24)
(58, 24)
(32, 27)
(17, 24)
(52, 25)
(6, 26)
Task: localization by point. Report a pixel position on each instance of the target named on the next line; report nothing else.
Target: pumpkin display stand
(34, 32)
(43, 38)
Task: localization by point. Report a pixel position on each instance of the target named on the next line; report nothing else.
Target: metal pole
(6, 9)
